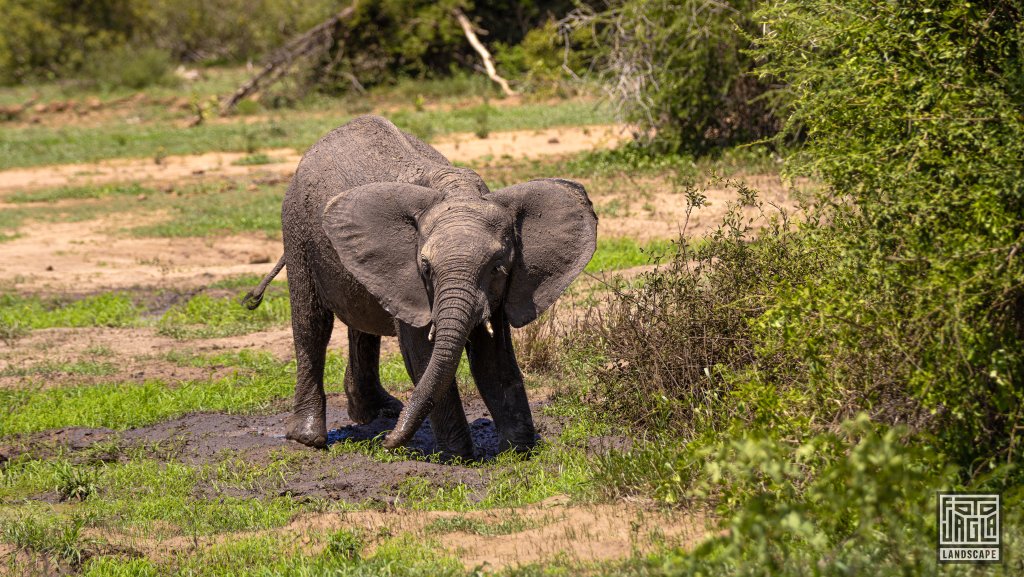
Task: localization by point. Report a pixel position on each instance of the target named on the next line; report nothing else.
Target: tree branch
(492, 73)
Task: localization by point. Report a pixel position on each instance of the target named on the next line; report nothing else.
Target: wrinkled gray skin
(383, 232)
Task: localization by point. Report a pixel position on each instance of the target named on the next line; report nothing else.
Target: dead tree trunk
(492, 72)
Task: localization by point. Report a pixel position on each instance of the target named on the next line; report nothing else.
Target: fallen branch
(283, 59)
(492, 73)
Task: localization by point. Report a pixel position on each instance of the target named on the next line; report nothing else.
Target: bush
(680, 70)
(677, 351)
(911, 112)
(857, 501)
(536, 63)
(129, 67)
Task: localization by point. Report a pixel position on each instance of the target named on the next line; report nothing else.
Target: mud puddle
(348, 475)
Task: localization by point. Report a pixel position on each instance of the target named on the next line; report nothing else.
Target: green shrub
(681, 71)
(47, 39)
(537, 63)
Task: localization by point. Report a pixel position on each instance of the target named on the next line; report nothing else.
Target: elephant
(383, 232)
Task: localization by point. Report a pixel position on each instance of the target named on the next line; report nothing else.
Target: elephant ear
(556, 230)
(373, 229)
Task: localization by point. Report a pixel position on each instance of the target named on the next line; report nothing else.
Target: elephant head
(456, 262)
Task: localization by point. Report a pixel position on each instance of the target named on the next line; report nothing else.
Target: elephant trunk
(454, 318)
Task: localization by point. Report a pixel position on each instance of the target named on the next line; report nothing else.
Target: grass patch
(463, 524)
(255, 160)
(204, 317)
(258, 381)
(39, 145)
(217, 208)
(57, 539)
(162, 498)
(125, 405)
(103, 310)
(78, 193)
(53, 368)
(620, 253)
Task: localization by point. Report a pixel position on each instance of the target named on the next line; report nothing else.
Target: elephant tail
(253, 298)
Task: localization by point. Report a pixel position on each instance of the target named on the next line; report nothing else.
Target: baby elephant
(383, 232)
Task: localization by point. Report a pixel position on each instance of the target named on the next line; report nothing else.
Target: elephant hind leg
(312, 324)
(367, 399)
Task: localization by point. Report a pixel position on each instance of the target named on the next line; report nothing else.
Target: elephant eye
(425, 265)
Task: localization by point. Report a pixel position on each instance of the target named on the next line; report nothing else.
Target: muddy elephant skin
(383, 232)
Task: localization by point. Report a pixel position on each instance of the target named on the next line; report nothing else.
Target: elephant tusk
(430, 336)
(489, 326)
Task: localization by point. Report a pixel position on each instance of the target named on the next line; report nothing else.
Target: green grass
(147, 492)
(38, 145)
(620, 253)
(463, 524)
(52, 368)
(103, 310)
(126, 405)
(281, 556)
(255, 160)
(204, 317)
(78, 193)
(54, 538)
(259, 380)
(218, 208)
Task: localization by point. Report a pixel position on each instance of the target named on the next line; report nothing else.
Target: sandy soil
(178, 169)
(662, 215)
(89, 256)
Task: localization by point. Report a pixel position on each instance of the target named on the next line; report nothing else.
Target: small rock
(553, 140)
(49, 268)
(140, 197)
(259, 259)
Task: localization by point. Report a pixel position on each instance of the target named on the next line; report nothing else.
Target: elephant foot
(309, 430)
(461, 447)
(362, 411)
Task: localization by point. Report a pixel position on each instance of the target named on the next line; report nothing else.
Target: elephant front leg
(367, 399)
(492, 361)
(447, 417)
